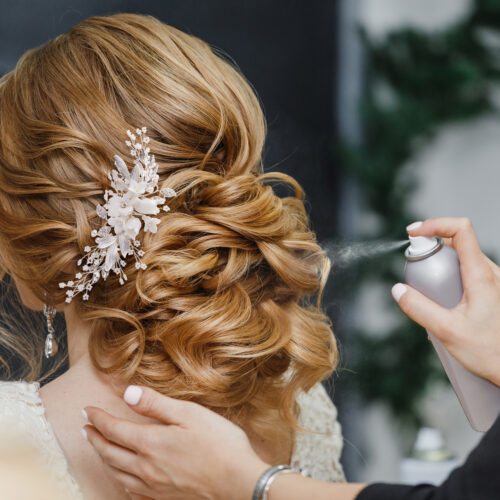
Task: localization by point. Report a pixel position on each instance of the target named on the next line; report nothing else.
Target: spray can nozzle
(422, 246)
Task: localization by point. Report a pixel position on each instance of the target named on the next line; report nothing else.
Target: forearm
(382, 491)
(297, 487)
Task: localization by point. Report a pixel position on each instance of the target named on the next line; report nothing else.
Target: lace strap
(22, 410)
(318, 451)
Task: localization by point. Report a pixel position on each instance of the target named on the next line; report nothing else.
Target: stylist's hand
(471, 330)
(169, 460)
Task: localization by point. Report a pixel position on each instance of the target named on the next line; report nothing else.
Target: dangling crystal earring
(50, 340)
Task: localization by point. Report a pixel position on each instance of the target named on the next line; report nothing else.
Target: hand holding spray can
(433, 269)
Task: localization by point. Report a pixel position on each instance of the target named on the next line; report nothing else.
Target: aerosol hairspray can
(433, 269)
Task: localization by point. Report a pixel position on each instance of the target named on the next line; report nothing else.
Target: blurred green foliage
(415, 83)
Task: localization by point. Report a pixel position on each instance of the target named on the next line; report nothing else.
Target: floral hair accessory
(134, 197)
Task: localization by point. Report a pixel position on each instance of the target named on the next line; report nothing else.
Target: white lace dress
(22, 411)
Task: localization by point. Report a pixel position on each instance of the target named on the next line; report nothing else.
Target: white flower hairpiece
(126, 204)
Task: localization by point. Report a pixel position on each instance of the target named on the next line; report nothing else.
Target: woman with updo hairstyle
(227, 312)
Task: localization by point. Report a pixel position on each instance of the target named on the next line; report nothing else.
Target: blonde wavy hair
(227, 312)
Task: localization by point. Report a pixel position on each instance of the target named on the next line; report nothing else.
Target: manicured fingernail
(83, 432)
(85, 417)
(413, 226)
(398, 290)
(132, 395)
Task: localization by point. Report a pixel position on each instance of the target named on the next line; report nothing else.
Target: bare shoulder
(63, 399)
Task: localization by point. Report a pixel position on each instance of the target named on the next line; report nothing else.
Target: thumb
(151, 403)
(427, 313)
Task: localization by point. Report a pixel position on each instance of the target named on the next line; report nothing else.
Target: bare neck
(80, 364)
(78, 332)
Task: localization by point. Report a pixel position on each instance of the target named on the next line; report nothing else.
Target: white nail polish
(132, 395)
(85, 417)
(413, 226)
(398, 290)
(83, 432)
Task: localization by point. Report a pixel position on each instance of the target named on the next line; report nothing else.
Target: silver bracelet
(269, 475)
(264, 478)
(271, 479)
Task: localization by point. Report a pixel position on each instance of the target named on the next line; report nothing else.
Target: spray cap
(420, 245)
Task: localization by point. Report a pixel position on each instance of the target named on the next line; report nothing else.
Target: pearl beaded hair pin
(128, 202)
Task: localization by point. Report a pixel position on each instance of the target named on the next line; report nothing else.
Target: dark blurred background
(286, 49)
